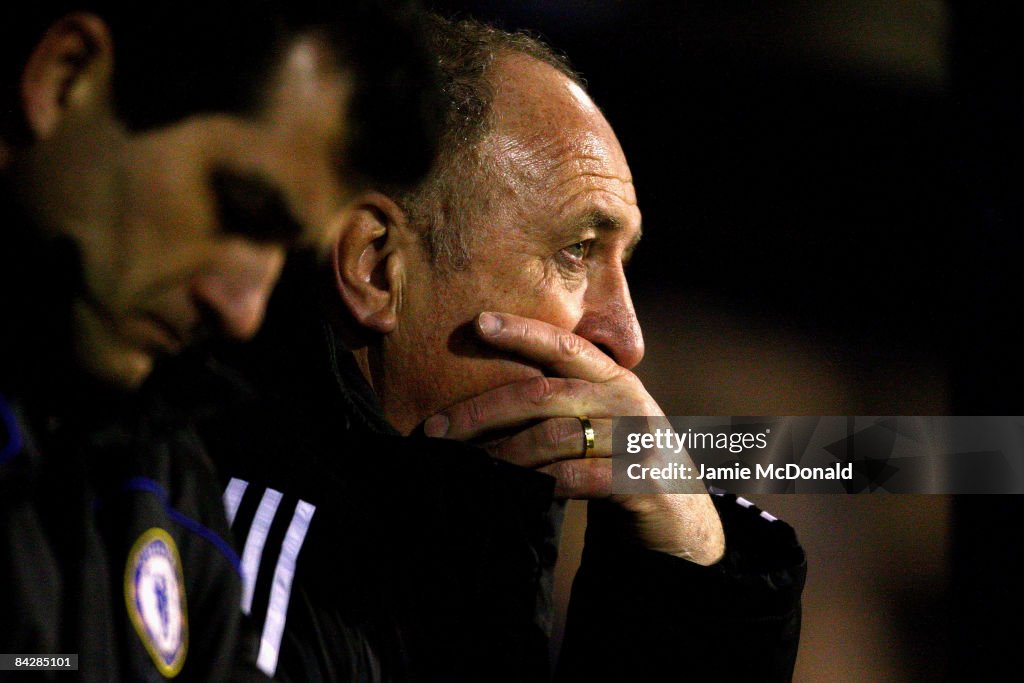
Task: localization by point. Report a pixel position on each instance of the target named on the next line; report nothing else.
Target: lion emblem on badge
(155, 597)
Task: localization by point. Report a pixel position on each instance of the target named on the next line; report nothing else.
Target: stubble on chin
(102, 354)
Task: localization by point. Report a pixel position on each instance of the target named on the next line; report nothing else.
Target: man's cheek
(559, 308)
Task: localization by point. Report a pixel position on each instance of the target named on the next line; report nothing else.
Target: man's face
(558, 221)
(186, 226)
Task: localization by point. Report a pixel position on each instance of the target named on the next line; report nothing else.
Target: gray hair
(455, 189)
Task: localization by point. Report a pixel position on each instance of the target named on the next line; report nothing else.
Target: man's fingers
(565, 353)
(519, 403)
(559, 438)
(584, 479)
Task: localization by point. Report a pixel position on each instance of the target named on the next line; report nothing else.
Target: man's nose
(610, 322)
(236, 286)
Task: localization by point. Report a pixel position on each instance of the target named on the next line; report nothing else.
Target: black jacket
(113, 542)
(427, 560)
(96, 525)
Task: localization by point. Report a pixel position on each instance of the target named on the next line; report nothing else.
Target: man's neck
(396, 410)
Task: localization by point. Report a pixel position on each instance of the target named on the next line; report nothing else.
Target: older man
(490, 305)
(158, 160)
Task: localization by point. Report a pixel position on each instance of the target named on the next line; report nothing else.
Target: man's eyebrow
(600, 221)
(250, 206)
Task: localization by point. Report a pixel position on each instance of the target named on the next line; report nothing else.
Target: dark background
(832, 216)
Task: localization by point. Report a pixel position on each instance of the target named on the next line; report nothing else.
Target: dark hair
(175, 59)
(465, 50)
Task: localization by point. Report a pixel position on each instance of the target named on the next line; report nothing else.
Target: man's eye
(251, 207)
(578, 251)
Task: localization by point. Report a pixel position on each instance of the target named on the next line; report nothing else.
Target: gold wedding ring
(588, 435)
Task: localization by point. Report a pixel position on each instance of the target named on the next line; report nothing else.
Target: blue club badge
(154, 591)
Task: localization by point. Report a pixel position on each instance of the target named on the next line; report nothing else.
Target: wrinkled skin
(559, 219)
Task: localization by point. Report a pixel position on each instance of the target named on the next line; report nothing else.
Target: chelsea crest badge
(154, 592)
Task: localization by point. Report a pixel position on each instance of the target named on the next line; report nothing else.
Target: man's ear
(71, 66)
(368, 265)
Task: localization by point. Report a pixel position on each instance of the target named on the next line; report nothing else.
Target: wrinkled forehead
(548, 161)
(546, 130)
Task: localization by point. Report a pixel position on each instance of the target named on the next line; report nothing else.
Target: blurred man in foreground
(489, 305)
(158, 161)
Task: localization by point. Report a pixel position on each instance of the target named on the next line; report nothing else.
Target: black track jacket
(372, 557)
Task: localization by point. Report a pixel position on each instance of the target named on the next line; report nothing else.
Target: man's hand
(547, 434)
